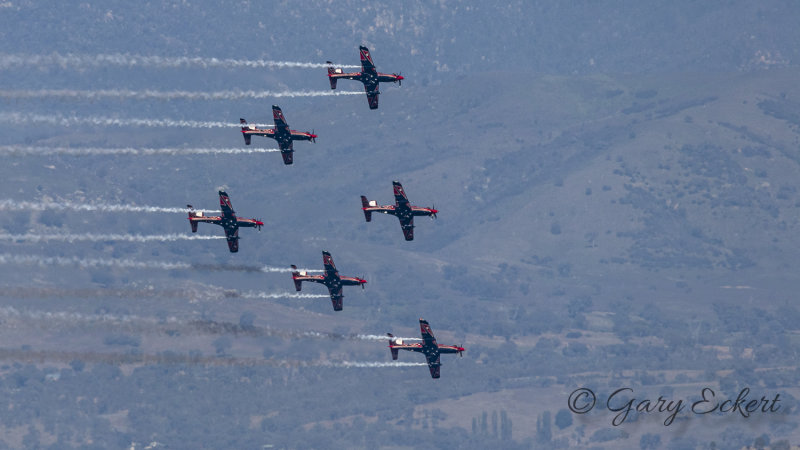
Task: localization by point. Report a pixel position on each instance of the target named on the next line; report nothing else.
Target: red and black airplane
(281, 133)
(404, 212)
(227, 220)
(428, 347)
(368, 75)
(332, 280)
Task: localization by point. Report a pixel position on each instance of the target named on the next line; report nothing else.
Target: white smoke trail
(365, 364)
(17, 205)
(270, 269)
(128, 358)
(158, 62)
(377, 337)
(7, 258)
(66, 356)
(148, 94)
(247, 268)
(84, 263)
(266, 295)
(13, 150)
(73, 317)
(31, 237)
(151, 324)
(57, 119)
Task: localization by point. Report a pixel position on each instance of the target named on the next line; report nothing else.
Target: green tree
(544, 432)
(505, 426)
(563, 419)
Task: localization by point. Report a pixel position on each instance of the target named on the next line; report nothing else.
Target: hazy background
(617, 186)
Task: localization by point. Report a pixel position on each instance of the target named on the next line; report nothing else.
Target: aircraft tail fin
(192, 214)
(392, 342)
(331, 71)
(245, 127)
(298, 284)
(364, 206)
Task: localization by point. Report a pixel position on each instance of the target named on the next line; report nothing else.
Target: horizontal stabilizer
(364, 205)
(245, 127)
(332, 71)
(298, 284)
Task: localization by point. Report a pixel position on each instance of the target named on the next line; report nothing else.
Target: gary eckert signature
(622, 402)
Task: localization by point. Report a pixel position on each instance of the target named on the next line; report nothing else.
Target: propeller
(399, 77)
(259, 224)
(461, 352)
(434, 211)
(363, 282)
(313, 136)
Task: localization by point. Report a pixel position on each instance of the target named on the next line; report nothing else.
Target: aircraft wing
(337, 298)
(225, 204)
(288, 156)
(433, 364)
(366, 60)
(277, 116)
(233, 239)
(408, 227)
(327, 261)
(372, 98)
(427, 334)
(399, 193)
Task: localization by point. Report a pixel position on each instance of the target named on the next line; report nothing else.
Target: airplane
(404, 212)
(429, 347)
(332, 280)
(227, 220)
(281, 133)
(368, 75)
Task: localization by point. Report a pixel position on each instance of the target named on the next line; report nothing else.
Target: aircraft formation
(284, 136)
(402, 209)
